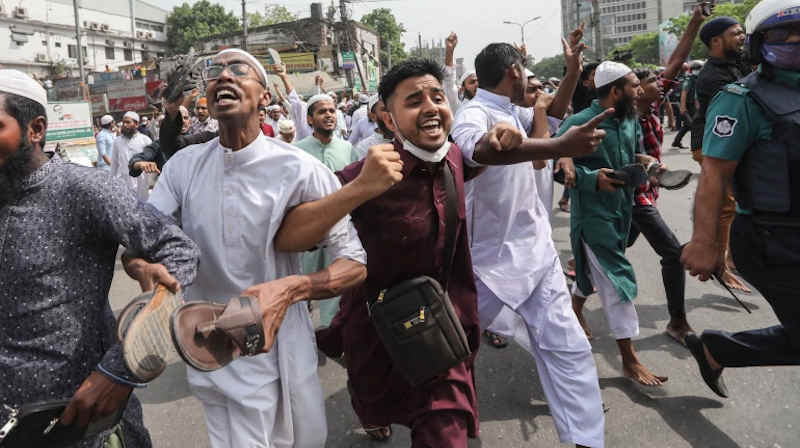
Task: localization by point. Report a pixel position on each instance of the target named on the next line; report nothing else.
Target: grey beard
(14, 171)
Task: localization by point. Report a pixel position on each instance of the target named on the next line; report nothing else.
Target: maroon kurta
(403, 232)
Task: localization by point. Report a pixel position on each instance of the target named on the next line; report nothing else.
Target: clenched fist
(504, 137)
(382, 168)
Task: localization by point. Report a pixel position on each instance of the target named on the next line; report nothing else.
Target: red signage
(128, 103)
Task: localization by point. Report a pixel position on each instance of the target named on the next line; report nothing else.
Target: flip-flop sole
(205, 353)
(147, 346)
(675, 180)
(130, 312)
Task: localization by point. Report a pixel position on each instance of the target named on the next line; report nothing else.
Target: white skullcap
(132, 115)
(373, 100)
(183, 109)
(106, 119)
(333, 94)
(317, 98)
(273, 107)
(18, 83)
(363, 98)
(608, 72)
(250, 58)
(465, 76)
(286, 126)
(529, 74)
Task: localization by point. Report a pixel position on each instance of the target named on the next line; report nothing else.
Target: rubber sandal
(130, 311)
(671, 180)
(633, 175)
(375, 433)
(147, 346)
(209, 336)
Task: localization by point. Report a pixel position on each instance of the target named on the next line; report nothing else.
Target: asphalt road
(763, 411)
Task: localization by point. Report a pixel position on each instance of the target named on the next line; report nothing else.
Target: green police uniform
(602, 220)
(335, 155)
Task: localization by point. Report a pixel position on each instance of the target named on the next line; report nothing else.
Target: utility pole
(598, 34)
(78, 38)
(244, 26)
(132, 7)
(420, 45)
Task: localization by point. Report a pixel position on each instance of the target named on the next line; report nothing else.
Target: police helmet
(765, 15)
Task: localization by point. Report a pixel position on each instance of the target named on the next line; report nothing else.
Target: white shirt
(512, 250)
(231, 204)
(359, 114)
(124, 149)
(450, 86)
(361, 130)
(363, 146)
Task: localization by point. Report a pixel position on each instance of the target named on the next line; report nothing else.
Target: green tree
(643, 49)
(549, 67)
(189, 24)
(677, 25)
(272, 14)
(391, 34)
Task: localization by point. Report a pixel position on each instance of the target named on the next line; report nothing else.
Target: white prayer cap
(253, 61)
(18, 83)
(286, 126)
(183, 109)
(106, 119)
(529, 74)
(363, 98)
(608, 72)
(273, 107)
(465, 76)
(132, 115)
(333, 94)
(373, 100)
(317, 98)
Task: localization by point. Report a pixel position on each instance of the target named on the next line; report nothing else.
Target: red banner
(126, 104)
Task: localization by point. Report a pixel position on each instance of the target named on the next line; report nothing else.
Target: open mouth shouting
(432, 128)
(226, 96)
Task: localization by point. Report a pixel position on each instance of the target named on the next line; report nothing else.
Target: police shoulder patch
(724, 126)
(737, 89)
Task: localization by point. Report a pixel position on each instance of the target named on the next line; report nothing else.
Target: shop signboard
(68, 121)
(126, 95)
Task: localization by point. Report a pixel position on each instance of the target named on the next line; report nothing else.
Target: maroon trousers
(445, 429)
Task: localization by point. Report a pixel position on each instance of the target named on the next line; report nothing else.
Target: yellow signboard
(295, 62)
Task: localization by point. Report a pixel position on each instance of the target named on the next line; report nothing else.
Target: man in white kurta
(522, 292)
(231, 203)
(130, 142)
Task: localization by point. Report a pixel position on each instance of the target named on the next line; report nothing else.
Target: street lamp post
(522, 26)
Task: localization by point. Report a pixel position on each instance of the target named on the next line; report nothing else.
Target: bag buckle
(10, 424)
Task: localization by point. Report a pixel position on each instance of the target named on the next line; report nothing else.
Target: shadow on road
(683, 414)
(170, 386)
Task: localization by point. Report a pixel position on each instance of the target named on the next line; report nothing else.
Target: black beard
(324, 132)
(733, 55)
(128, 132)
(17, 167)
(624, 108)
(468, 94)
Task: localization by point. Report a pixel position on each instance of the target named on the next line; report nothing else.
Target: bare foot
(733, 282)
(577, 306)
(678, 330)
(639, 373)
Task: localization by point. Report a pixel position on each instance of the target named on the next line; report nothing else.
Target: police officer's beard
(14, 170)
(624, 108)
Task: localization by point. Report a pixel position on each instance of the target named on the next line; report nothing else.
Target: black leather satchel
(416, 321)
(37, 425)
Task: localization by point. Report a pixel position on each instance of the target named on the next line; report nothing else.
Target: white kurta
(358, 115)
(232, 204)
(522, 291)
(299, 111)
(363, 146)
(124, 149)
(361, 130)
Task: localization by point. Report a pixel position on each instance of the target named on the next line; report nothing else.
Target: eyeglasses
(238, 69)
(777, 35)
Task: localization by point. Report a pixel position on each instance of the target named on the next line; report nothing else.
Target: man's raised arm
(684, 47)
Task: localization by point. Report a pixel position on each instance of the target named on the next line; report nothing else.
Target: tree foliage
(188, 24)
(272, 14)
(643, 49)
(677, 25)
(391, 34)
(549, 67)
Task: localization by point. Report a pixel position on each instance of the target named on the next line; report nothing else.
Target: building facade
(38, 37)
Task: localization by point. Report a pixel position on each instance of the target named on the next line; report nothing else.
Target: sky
(477, 22)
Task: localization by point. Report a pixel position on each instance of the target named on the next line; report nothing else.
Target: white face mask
(424, 155)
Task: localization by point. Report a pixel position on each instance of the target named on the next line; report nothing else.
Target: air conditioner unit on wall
(140, 34)
(94, 26)
(109, 43)
(104, 27)
(127, 44)
(20, 12)
(3, 10)
(41, 57)
(149, 35)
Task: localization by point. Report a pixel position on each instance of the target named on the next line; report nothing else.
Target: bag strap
(450, 223)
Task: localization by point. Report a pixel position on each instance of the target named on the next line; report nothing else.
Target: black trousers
(686, 126)
(648, 222)
(769, 259)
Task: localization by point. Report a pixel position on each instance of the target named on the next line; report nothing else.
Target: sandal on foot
(130, 312)
(495, 340)
(209, 336)
(713, 378)
(147, 345)
(379, 433)
(563, 206)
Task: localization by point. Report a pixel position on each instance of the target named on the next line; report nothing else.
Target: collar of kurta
(500, 101)
(244, 155)
(38, 176)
